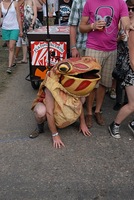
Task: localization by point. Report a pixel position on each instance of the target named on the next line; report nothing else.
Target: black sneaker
(114, 130)
(131, 126)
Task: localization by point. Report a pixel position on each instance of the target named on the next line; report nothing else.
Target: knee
(11, 49)
(40, 113)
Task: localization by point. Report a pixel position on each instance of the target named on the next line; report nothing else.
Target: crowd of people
(98, 29)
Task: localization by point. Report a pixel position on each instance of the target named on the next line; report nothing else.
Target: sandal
(22, 62)
(9, 71)
(13, 65)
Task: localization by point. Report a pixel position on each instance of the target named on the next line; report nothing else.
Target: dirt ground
(4, 77)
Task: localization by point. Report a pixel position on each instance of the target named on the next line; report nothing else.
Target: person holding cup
(100, 21)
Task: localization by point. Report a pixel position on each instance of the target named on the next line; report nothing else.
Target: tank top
(10, 20)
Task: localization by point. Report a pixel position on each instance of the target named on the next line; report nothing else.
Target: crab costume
(67, 81)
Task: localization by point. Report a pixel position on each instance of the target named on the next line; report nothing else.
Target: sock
(116, 124)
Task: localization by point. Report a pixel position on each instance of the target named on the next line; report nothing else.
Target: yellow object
(69, 80)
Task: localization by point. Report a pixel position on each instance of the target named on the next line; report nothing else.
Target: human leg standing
(124, 112)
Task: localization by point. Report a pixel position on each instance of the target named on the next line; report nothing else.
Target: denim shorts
(10, 34)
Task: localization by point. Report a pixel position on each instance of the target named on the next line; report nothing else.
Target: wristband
(73, 47)
(55, 134)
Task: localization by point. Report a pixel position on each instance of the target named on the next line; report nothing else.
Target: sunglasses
(131, 9)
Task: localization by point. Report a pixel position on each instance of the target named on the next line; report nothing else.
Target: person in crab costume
(61, 96)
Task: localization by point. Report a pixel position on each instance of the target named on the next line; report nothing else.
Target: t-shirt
(111, 11)
(65, 9)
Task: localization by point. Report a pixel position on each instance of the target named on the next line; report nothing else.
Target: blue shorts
(10, 34)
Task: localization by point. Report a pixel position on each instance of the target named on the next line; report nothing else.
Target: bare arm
(83, 126)
(18, 16)
(57, 143)
(39, 4)
(125, 21)
(85, 27)
(34, 6)
(131, 48)
(0, 15)
(73, 33)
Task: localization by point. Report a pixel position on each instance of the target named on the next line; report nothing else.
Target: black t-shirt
(64, 9)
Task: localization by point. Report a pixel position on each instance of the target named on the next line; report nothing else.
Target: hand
(132, 26)
(21, 34)
(30, 28)
(99, 25)
(75, 53)
(85, 130)
(122, 36)
(57, 143)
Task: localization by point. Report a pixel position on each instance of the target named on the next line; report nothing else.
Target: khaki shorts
(82, 52)
(107, 61)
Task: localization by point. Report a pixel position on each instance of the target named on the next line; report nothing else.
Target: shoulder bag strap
(8, 8)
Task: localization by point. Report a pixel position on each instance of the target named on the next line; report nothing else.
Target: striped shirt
(74, 20)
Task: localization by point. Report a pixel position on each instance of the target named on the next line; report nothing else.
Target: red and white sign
(39, 52)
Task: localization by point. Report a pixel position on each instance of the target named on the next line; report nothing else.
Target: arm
(57, 143)
(18, 17)
(131, 48)
(39, 4)
(85, 27)
(34, 11)
(83, 126)
(125, 21)
(0, 15)
(74, 51)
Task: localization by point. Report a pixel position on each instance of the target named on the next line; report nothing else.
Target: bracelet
(73, 47)
(92, 27)
(55, 134)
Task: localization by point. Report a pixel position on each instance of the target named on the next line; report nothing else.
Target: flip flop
(13, 65)
(22, 62)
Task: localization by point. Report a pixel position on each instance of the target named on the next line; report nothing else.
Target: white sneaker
(131, 126)
(114, 130)
(113, 93)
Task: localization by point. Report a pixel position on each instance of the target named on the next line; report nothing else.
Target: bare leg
(17, 50)
(89, 103)
(11, 52)
(24, 50)
(100, 94)
(40, 116)
(127, 109)
(40, 113)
